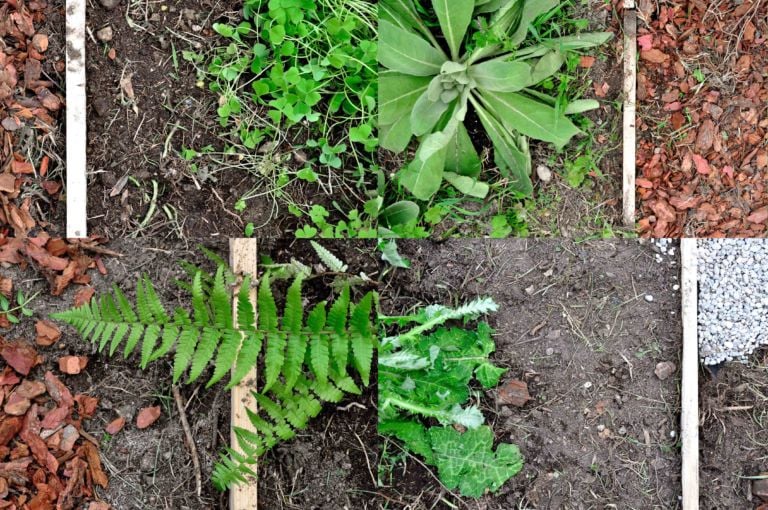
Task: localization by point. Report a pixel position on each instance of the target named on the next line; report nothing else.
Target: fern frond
(329, 259)
(247, 357)
(246, 319)
(274, 358)
(220, 301)
(296, 346)
(206, 346)
(337, 322)
(305, 362)
(361, 338)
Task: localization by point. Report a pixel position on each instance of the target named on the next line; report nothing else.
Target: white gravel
(733, 298)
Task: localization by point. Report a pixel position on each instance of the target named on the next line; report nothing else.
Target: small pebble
(105, 34)
(649, 298)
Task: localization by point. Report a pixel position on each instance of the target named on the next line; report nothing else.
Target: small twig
(188, 439)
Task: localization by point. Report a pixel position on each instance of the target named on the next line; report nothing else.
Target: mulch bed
(30, 104)
(703, 131)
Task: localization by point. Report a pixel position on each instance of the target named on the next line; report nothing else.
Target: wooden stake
(243, 259)
(630, 97)
(75, 118)
(689, 418)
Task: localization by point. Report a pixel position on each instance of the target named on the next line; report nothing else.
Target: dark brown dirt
(574, 324)
(171, 113)
(733, 434)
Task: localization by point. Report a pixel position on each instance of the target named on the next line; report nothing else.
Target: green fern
(305, 361)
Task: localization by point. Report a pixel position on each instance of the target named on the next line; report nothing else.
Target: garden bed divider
(243, 257)
(689, 416)
(630, 96)
(75, 118)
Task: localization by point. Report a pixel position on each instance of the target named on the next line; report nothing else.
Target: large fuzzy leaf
(467, 461)
(407, 52)
(461, 157)
(501, 76)
(396, 137)
(513, 162)
(423, 177)
(530, 117)
(398, 94)
(467, 185)
(454, 17)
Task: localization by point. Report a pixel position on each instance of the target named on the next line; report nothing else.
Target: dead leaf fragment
(47, 333)
(147, 416)
(115, 426)
(654, 56)
(513, 392)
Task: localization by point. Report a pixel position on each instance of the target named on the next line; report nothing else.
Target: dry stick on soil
(75, 117)
(189, 439)
(243, 259)
(689, 416)
(630, 97)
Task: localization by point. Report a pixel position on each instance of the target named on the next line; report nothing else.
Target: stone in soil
(664, 369)
(105, 34)
(109, 4)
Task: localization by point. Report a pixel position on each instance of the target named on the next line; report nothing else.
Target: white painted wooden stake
(75, 118)
(630, 97)
(243, 259)
(689, 417)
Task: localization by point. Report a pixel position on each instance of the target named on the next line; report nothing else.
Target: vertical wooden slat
(689, 417)
(75, 118)
(630, 96)
(244, 260)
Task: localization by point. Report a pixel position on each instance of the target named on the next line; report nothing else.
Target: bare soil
(575, 324)
(733, 433)
(140, 137)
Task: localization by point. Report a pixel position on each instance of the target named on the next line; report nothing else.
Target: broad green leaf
(467, 461)
(454, 17)
(413, 435)
(513, 162)
(439, 140)
(532, 9)
(488, 374)
(403, 12)
(502, 76)
(399, 213)
(397, 94)
(461, 157)
(581, 106)
(426, 113)
(423, 177)
(547, 66)
(530, 117)
(467, 185)
(406, 52)
(396, 137)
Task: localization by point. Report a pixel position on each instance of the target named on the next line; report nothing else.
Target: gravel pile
(733, 298)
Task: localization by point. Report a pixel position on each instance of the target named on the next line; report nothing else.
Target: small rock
(40, 42)
(105, 34)
(544, 173)
(109, 4)
(513, 392)
(101, 106)
(649, 298)
(587, 385)
(665, 369)
(550, 351)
